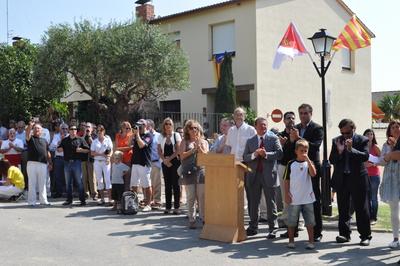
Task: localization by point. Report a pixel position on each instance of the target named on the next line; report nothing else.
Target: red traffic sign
(277, 115)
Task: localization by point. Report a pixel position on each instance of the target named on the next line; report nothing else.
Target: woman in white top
(390, 187)
(168, 148)
(101, 149)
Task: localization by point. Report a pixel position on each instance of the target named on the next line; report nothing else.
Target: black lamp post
(322, 43)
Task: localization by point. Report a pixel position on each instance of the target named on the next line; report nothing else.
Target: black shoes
(262, 220)
(271, 235)
(83, 203)
(318, 238)
(342, 239)
(286, 235)
(66, 203)
(251, 232)
(364, 242)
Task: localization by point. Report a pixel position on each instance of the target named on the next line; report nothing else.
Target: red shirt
(373, 170)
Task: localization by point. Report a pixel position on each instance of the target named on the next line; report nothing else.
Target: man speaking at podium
(260, 154)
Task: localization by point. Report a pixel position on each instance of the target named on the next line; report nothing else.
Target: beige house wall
(297, 82)
(195, 33)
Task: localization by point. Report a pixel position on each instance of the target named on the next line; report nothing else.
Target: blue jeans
(59, 177)
(73, 171)
(373, 196)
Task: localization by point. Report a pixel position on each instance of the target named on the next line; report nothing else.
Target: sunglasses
(346, 133)
(74, 128)
(193, 128)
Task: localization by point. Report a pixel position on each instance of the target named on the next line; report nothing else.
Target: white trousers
(37, 176)
(7, 192)
(101, 169)
(394, 215)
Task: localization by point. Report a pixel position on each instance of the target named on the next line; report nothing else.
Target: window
(176, 38)
(347, 59)
(171, 109)
(223, 38)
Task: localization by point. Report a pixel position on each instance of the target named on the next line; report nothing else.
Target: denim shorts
(294, 211)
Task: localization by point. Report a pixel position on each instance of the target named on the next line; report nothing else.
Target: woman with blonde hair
(193, 174)
(168, 148)
(390, 187)
(122, 143)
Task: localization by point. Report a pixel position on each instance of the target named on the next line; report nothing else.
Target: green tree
(124, 63)
(16, 79)
(390, 105)
(225, 98)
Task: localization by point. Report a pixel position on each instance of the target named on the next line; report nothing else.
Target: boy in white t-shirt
(299, 192)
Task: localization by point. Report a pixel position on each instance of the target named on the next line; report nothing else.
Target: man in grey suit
(260, 154)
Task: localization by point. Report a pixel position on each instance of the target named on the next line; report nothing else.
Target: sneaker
(101, 202)
(373, 222)
(291, 245)
(146, 208)
(364, 242)
(394, 244)
(310, 246)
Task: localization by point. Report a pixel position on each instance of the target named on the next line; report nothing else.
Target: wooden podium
(224, 184)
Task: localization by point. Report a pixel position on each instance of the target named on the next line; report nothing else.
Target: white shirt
(46, 135)
(300, 183)
(6, 144)
(101, 147)
(161, 140)
(54, 144)
(237, 138)
(22, 137)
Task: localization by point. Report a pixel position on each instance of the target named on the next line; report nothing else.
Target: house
(252, 29)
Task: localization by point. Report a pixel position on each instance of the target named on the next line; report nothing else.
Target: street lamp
(322, 43)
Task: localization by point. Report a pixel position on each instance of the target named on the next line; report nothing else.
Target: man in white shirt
(239, 134)
(12, 148)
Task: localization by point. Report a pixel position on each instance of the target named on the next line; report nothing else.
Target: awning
(377, 112)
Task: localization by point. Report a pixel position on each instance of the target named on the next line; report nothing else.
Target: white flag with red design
(290, 46)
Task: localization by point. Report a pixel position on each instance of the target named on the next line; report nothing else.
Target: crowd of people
(284, 178)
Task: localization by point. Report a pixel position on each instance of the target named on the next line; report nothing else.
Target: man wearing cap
(73, 147)
(141, 162)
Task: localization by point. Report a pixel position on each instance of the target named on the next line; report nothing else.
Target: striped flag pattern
(353, 36)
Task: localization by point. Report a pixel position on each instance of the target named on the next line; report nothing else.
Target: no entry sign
(277, 115)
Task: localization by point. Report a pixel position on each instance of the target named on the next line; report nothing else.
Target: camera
(138, 125)
(107, 152)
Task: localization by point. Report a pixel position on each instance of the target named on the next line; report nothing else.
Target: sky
(31, 18)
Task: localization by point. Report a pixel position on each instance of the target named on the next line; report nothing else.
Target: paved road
(58, 235)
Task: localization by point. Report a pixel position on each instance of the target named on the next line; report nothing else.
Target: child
(299, 192)
(118, 171)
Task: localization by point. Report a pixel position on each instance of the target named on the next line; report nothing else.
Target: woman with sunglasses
(390, 187)
(101, 149)
(168, 148)
(122, 141)
(193, 143)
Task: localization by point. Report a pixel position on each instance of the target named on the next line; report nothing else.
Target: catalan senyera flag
(218, 58)
(353, 36)
(290, 46)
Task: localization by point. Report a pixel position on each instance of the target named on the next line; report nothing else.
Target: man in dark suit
(350, 179)
(260, 154)
(314, 134)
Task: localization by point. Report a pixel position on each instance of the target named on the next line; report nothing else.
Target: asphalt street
(58, 235)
